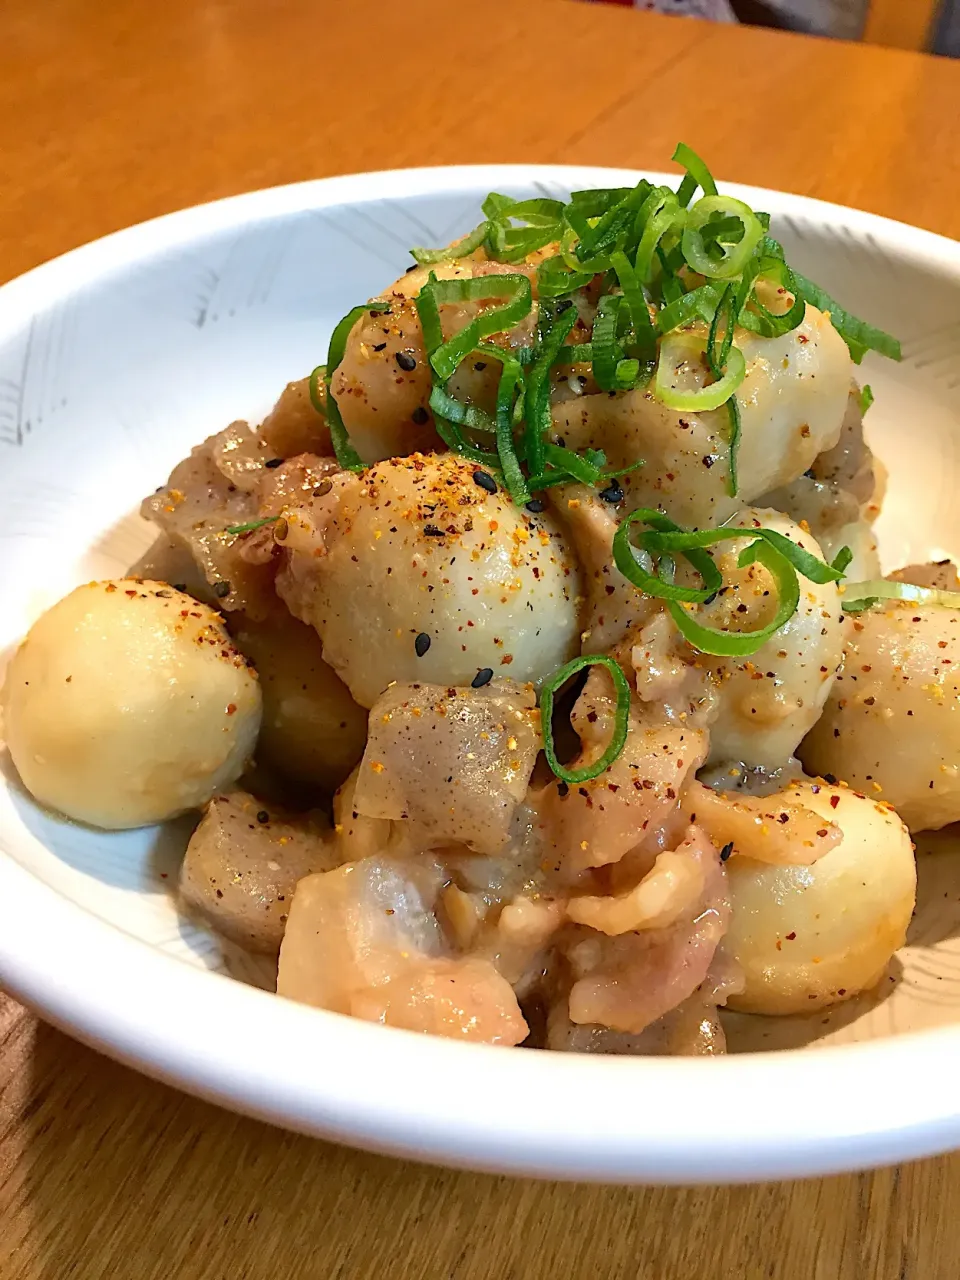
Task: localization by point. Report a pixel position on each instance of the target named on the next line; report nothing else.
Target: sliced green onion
(251, 525)
(841, 561)
(660, 213)
(805, 563)
(469, 244)
(866, 398)
(553, 330)
(511, 379)
(753, 315)
(717, 357)
(555, 279)
(644, 334)
(737, 644)
(858, 596)
(733, 256)
(575, 464)
(595, 202)
(700, 303)
(347, 456)
(653, 583)
(611, 229)
(736, 429)
(620, 722)
(698, 175)
(607, 351)
(315, 385)
(859, 336)
(514, 287)
(577, 353)
(681, 348)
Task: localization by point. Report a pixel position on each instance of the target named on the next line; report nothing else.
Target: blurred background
(924, 25)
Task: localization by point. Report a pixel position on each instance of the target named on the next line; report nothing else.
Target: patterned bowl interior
(104, 390)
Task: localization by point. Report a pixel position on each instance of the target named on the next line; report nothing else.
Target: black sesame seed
(411, 268)
(708, 461)
(273, 462)
(379, 315)
(406, 361)
(379, 346)
(432, 531)
(485, 481)
(612, 493)
(829, 778)
(420, 415)
(480, 365)
(263, 816)
(221, 589)
(483, 676)
(564, 305)
(421, 644)
(323, 488)
(562, 789)
(809, 475)
(710, 599)
(726, 851)
(536, 506)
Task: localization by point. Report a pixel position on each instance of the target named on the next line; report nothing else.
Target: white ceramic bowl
(114, 360)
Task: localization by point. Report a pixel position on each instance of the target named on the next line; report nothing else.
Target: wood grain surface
(114, 112)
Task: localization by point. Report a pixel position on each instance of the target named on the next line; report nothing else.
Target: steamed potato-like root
(628, 981)
(769, 700)
(792, 405)
(807, 937)
(127, 703)
(312, 732)
(413, 572)
(364, 940)
(595, 823)
(383, 385)
(891, 726)
(243, 863)
(778, 828)
(451, 765)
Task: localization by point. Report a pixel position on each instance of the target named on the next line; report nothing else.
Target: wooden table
(114, 112)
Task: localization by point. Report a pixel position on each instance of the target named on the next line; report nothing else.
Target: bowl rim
(734, 1118)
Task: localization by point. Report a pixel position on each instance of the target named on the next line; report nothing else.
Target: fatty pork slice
(231, 480)
(628, 980)
(242, 866)
(597, 822)
(454, 763)
(364, 940)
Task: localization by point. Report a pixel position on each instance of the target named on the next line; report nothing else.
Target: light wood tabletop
(112, 113)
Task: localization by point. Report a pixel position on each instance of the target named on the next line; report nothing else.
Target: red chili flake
(834, 801)
(791, 936)
(231, 708)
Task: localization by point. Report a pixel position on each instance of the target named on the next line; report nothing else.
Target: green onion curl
(620, 723)
(347, 456)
